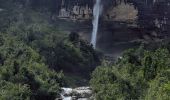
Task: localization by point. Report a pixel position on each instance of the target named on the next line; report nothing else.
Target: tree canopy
(23, 73)
(139, 75)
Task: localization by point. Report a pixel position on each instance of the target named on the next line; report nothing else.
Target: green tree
(139, 75)
(22, 66)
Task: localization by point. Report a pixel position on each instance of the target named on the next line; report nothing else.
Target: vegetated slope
(23, 73)
(138, 74)
(36, 28)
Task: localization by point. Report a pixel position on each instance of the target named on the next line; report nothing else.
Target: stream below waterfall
(79, 93)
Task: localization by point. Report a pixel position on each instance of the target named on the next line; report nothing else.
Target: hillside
(46, 49)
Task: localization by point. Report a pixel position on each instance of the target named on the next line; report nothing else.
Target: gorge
(84, 49)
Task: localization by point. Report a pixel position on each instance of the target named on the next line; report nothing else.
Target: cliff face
(83, 9)
(147, 13)
(149, 20)
(76, 9)
(151, 16)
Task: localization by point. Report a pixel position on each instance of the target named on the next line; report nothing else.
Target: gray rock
(80, 93)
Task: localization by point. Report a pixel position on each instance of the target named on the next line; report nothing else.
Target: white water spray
(96, 14)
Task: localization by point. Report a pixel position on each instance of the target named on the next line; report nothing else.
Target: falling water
(96, 14)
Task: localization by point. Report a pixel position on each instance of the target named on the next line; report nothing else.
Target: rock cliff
(147, 13)
(123, 22)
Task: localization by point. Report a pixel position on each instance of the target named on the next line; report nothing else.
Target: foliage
(139, 74)
(22, 66)
(11, 91)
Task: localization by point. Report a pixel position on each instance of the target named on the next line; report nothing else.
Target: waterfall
(96, 14)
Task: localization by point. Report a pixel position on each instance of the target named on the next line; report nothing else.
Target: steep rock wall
(148, 13)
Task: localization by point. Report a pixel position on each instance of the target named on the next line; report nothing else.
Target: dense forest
(139, 75)
(37, 59)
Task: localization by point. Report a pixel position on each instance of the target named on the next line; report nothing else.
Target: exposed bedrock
(123, 24)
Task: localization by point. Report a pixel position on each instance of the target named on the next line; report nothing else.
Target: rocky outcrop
(78, 10)
(80, 93)
(121, 12)
(75, 10)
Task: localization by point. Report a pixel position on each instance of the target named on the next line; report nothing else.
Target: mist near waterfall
(97, 10)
